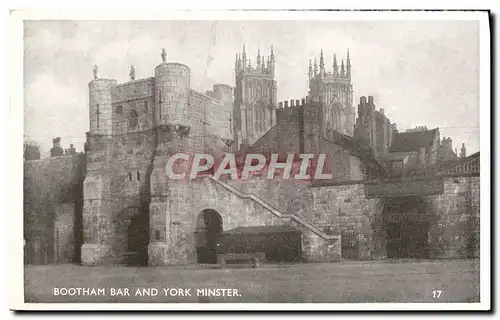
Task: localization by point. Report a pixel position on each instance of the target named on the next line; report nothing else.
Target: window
(157, 234)
(97, 113)
(130, 176)
(119, 109)
(133, 120)
(138, 176)
(146, 105)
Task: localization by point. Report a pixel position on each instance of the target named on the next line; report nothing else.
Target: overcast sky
(420, 73)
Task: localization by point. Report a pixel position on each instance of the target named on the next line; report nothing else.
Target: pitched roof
(412, 141)
(354, 147)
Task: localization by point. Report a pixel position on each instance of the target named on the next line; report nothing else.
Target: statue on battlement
(132, 73)
(163, 55)
(95, 72)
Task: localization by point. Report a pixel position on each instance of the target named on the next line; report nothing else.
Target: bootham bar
(307, 166)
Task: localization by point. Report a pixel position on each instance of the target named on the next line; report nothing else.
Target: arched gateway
(208, 228)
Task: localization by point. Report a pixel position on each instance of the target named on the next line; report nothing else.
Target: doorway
(208, 228)
(407, 239)
(138, 240)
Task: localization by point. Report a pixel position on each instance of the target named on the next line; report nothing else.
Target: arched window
(130, 176)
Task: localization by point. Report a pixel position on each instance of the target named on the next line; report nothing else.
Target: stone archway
(208, 228)
(138, 240)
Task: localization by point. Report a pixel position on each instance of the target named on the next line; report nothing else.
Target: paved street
(380, 281)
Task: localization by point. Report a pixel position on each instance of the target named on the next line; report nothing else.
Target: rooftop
(412, 141)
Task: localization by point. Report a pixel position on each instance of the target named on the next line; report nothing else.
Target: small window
(146, 105)
(133, 120)
(119, 109)
(157, 234)
(130, 176)
(138, 176)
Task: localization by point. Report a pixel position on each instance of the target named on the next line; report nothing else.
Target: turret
(172, 80)
(100, 105)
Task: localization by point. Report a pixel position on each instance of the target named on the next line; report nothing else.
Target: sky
(419, 72)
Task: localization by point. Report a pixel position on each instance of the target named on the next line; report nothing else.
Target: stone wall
(186, 201)
(53, 200)
(455, 233)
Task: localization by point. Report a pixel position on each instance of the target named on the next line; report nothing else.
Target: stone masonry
(84, 205)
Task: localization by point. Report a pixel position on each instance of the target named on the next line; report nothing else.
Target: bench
(254, 258)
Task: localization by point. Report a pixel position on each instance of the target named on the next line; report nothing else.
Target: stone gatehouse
(392, 194)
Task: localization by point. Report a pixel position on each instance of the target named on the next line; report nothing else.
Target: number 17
(437, 294)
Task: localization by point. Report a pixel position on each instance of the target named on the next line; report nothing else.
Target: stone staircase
(299, 220)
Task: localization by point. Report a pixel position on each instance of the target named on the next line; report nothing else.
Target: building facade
(114, 204)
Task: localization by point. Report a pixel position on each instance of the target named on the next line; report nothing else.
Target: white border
(16, 105)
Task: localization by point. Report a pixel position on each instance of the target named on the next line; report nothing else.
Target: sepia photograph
(274, 160)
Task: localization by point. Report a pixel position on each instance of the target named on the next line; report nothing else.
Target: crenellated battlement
(142, 104)
(293, 103)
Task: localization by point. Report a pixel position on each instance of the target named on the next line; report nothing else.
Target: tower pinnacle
(335, 65)
(348, 67)
(321, 61)
(310, 69)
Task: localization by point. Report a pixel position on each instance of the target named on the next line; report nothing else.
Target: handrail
(273, 210)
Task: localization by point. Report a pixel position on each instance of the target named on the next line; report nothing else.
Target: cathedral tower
(255, 97)
(333, 90)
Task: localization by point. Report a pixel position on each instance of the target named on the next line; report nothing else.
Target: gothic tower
(255, 97)
(333, 90)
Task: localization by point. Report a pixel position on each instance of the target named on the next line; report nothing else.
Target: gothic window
(130, 176)
(133, 120)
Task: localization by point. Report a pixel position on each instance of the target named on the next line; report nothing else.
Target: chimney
(362, 100)
(370, 100)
